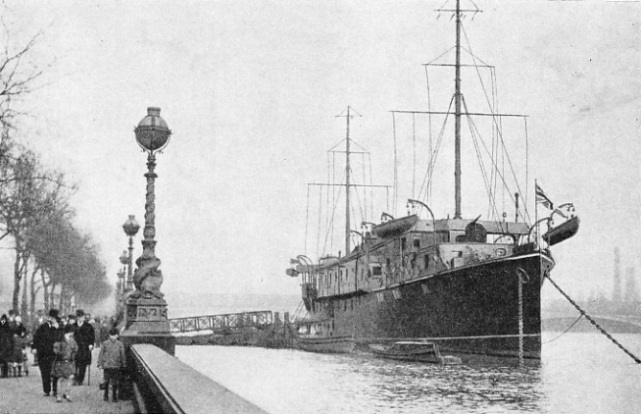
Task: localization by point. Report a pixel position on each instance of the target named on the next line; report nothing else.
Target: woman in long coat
(6, 345)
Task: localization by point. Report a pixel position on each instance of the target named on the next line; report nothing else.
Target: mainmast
(457, 116)
(347, 185)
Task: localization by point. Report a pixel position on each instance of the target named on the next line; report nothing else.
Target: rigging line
(566, 331)
(331, 221)
(493, 163)
(336, 145)
(439, 56)
(474, 135)
(358, 199)
(306, 219)
(494, 138)
(472, 124)
(494, 118)
(365, 181)
(527, 170)
(478, 72)
(592, 321)
(318, 230)
(427, 180)
(413, 155)
(371, 189)
(351, 141)
(329, 204)
(394, 193)
(429, 120)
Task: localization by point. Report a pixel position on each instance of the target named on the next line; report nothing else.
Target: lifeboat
(562, 232)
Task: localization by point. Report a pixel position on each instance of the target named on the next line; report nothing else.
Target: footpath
(23, 394)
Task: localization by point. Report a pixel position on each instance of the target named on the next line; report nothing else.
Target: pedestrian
(6, 346)
(97, 330)
(112, 360)
(63, 368)
(12, 319)
(85, 337)
(43, 340)
(19, 345)
(71, 320)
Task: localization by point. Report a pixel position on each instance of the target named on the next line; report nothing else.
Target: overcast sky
(250, 90)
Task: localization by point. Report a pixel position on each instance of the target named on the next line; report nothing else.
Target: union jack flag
(541, 198)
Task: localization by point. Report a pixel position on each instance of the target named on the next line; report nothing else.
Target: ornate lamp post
(121, 284)
(121, 274)
(146, 318)
(130, 227)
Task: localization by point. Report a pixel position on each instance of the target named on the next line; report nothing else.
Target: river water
(578, 373)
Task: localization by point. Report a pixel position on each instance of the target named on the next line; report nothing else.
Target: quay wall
(162, 383)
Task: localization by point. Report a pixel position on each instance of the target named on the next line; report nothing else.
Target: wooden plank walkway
(24, 395)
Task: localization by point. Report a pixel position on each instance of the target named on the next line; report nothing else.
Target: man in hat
(43, 341)
(85, 337)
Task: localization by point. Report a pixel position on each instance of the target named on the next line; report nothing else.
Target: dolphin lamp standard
(152, 134)
(131, 228)
(146, 318)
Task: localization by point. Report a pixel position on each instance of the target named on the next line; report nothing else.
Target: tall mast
(457, 116)
(347, 185)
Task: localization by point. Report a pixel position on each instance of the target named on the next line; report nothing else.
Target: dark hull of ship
(469, 310)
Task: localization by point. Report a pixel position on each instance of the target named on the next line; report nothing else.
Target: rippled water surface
(578, 373)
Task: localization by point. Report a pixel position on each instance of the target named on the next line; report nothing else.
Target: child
(19, 344)
(112, 359)
(63, 366)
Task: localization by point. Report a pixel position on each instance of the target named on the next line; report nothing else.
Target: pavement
(24, 394)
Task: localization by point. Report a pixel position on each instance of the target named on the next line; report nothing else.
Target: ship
(469, 284)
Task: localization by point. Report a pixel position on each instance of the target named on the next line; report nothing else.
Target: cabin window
(377, 271)
(426, 261)
(417, 243)
(403, 241)
(381, 297)
(413, 261)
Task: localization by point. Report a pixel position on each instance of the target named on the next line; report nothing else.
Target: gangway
(224, 322)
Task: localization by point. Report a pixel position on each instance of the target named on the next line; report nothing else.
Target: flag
(541, 198)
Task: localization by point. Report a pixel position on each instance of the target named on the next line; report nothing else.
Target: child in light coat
(112, 360)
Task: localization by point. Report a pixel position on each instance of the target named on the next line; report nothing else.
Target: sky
(251, 91)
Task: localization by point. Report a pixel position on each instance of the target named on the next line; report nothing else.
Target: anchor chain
(593, 322)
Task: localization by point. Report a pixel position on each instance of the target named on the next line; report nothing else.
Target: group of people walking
(13, 341)
(63, 352)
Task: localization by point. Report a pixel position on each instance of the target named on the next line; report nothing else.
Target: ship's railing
(222, 322)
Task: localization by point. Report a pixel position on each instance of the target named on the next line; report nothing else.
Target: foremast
(457, 116)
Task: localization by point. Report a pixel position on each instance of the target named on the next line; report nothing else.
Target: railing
(164, 384)
(229, 321)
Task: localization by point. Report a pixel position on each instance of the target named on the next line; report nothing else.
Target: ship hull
(328, 345)
(473, 309)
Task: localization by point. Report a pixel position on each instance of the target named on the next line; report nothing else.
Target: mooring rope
(566, 330)
(593, 322)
